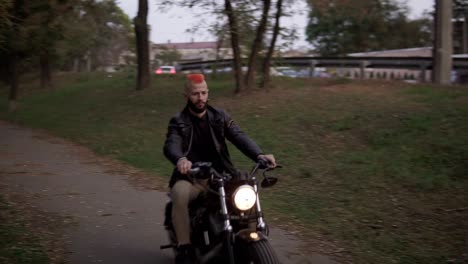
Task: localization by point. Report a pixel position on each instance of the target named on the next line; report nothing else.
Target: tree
(219, 30)
(234, 34)
(239, 17)
(44, 30)
(338, 27)
(25, 35)
(114, 34)
(460, 8)
(14, 50)
(42, 33)
(141, 32)
(247, 33)
(247, 15)
(5, 21)
(265, 83)
(53, 28)
(82, 27)
(103, 31)
(257, 44)
(5, 28)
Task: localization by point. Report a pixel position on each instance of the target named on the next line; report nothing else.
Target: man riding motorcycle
(198, 134)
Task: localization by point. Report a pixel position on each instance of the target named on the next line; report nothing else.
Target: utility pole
(443, 47)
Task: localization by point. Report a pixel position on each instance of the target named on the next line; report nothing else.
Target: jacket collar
(210, 112)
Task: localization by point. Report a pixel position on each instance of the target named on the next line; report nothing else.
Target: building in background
(190, 51)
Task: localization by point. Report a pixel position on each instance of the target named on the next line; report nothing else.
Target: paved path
(118, 219)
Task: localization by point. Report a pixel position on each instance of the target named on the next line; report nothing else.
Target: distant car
(166, 70)
(289, 73)
(459, 76)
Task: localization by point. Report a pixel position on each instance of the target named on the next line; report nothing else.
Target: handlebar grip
(262, 164)
(194, 171)
(200, 170)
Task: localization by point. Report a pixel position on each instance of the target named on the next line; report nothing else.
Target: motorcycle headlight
(244, 197)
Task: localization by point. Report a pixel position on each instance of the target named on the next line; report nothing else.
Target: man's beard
(194, 108)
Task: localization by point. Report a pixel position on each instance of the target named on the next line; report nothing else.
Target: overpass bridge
(421, 64)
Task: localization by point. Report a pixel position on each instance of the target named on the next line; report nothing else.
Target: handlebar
(262, 164)
(205, 166)
(204, 170)
(265, 165)
(197, 166)
(200, 170)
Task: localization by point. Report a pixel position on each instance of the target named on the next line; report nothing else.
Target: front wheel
(259, 252)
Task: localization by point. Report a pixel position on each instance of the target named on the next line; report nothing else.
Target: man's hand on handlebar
(268, 158)
(184, 165)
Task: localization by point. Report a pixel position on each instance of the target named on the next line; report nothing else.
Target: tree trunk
(4, 74)
(265, 83)
(76, 65)
(250, 77)
(234, 32)
(88, 61)
(142, 45)
(219, 44)
(45, 69)
(13, 72)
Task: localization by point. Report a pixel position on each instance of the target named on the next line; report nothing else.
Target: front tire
(259, 252)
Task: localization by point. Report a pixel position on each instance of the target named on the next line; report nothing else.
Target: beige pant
(181, 194)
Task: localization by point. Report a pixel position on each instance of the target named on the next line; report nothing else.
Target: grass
(380, 168)
(18, 244)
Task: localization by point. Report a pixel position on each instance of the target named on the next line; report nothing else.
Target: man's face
(198, 97)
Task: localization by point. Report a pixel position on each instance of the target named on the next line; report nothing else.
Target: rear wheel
(259, 252)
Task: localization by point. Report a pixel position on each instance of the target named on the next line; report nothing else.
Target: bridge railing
(422, 64)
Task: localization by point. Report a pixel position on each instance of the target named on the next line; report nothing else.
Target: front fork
(227, 224)
(261, 224)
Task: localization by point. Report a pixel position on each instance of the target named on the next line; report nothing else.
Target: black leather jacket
(180, 132)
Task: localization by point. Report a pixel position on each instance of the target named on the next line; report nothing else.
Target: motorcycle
(227, 222)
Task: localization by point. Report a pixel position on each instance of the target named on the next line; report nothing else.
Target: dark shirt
(203, 147)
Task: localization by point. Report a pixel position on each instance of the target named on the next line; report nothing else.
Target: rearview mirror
(268, 182)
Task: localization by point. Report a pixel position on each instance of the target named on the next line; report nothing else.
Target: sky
(172, 24)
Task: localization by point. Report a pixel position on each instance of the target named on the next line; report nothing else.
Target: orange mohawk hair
(195, 80)
(196, 77)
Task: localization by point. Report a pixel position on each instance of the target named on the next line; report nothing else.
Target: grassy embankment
(379, 168)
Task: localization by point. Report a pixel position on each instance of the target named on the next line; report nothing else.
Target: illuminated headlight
(244, 197)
